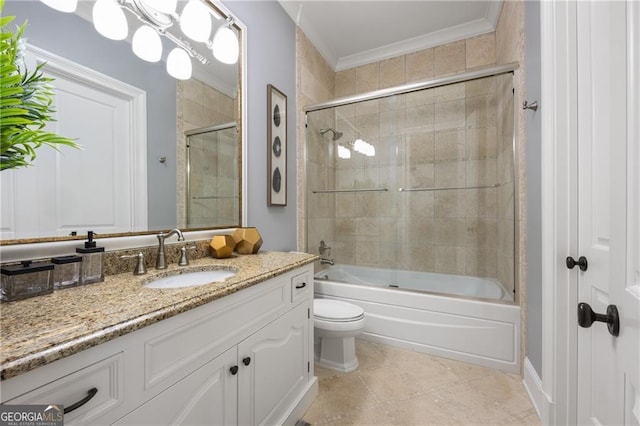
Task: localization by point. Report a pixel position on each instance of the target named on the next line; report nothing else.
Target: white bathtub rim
(508, 301)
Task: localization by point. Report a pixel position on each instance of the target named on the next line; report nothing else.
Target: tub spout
(325, 261)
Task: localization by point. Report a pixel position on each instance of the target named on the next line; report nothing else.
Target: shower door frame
(429, 84)
(195, 132)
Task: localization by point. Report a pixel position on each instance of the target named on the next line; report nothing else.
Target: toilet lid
(336, 310)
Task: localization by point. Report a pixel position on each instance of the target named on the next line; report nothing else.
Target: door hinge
(308, 313)
(308, 366)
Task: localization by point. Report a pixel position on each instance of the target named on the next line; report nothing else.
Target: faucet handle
(184, 259)
(140, 268)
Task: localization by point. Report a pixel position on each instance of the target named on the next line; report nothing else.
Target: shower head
(336, 135)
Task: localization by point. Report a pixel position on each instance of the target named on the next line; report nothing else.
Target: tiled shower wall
(213, 179)
(198, 105)
(485, 146)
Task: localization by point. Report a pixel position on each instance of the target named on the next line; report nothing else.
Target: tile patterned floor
(394, 386)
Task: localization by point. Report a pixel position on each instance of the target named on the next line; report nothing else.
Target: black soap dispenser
(92, 261)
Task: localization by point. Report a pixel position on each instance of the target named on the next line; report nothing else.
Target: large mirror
(134, 121)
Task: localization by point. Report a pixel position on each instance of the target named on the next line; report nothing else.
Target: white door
(608, 388)
(101, 187)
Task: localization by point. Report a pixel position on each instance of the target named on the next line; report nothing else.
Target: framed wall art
(276, 147)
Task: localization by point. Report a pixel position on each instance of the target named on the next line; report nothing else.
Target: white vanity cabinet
(242, 359)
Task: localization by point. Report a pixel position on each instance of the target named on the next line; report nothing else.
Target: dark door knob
(246, 361)
(582, 263)
(234, 370)
(586, 317)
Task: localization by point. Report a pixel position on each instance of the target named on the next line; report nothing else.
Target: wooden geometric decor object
(248, 240)
(222, 246)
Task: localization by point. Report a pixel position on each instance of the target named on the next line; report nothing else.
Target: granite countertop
(43, 329)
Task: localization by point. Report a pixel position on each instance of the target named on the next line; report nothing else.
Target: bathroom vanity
(233, 352)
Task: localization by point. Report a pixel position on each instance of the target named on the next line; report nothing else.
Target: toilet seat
(329, 310)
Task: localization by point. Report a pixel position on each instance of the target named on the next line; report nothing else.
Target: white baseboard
(539, 398)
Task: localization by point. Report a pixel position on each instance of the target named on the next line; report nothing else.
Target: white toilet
(336, 324)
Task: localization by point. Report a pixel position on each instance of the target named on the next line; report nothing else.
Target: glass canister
(28, 279)
(92, 261)
(67, 271)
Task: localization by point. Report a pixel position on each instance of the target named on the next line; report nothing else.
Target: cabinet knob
(234, 370)
(246, 361)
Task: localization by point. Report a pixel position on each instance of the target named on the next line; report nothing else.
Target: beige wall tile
(345, 82)
(482, 142)
(450, 145)
(481, 86)
(450, 115)
(450, 232)
(367, 78)
(450, 173)
(449, 58)
(420, 204)
(392, 72)
(481, 262)
(418, 148)
(481, 111)
(449, 203)
(419, 65)
(481, 50)
(450, 260)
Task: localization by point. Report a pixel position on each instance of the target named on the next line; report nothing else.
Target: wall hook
(533, 105)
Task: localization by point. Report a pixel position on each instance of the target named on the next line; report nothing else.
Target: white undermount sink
(189, 279)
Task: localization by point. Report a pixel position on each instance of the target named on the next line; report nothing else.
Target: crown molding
(436, 38)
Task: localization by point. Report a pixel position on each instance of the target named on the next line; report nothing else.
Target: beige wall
(316, 83)
(458, 135)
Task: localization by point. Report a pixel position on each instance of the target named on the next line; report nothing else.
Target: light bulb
(67, 6)
(146, 44)
(225, 46)
(179, 64)
(165, 6)
(109, 20)
(195, 21)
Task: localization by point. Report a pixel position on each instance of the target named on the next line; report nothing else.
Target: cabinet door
(277, 370)
(208, 396)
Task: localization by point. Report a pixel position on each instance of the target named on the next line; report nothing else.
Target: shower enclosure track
(329, 191)
(412, 87)
(445, 188)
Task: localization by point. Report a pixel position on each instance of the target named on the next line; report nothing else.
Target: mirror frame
(242, 119)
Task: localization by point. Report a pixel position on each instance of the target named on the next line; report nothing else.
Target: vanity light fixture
(66, 6)
(109, 20)
(146, 44)
(157, 17)
(225, 45)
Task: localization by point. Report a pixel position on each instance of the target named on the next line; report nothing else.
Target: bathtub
(474, 322)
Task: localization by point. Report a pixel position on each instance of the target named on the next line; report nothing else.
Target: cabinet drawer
(105, 376)
(301, 287)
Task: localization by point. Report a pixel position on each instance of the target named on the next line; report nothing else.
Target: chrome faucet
(161, 259)
(324, 248)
